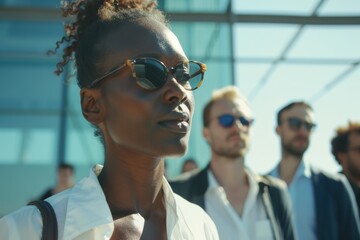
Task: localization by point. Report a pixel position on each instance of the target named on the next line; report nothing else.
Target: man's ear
(91, 106)
(206, 134)
(277, 130)
(341, 157)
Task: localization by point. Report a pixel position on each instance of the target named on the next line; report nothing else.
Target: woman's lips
(176, 125)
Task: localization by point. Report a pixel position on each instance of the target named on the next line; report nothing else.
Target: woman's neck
(132, 185)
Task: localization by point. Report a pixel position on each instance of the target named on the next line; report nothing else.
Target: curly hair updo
(91, 20)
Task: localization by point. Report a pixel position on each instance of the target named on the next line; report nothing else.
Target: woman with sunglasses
(136, 83)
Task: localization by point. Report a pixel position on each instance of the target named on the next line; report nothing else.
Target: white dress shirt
(303, 201)
(252, 225)
(83, 214)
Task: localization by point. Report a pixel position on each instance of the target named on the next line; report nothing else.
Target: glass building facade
(275, 51)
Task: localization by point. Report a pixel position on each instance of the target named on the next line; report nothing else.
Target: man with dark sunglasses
(345, 146)
(242, 204)
(322, 203)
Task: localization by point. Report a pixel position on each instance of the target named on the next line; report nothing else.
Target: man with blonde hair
(242, 204)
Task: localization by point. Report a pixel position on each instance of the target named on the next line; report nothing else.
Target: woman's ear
(91, 106)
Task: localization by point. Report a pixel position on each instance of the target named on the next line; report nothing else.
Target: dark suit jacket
(192, 186)
(335, 219)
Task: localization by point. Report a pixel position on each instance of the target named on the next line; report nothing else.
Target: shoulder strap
(265, 197)
(50, 228)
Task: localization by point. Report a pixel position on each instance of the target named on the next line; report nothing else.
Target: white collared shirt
(252, 225)
(83, 214)
(303, 201)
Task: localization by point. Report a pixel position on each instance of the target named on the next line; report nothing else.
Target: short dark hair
(289, 106)
(340, 142)
(66, 166)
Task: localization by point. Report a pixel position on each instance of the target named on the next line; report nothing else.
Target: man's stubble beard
(290, 150)
(353, 170)
(228, 153)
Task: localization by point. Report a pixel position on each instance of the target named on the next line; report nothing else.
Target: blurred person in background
(65, 180)
(189, 165)
(345, 146)
(321, 201)
(242, 204)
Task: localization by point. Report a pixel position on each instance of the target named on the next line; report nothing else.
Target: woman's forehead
(136, 39)
(141, 37)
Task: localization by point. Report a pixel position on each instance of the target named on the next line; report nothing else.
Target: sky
(333, 109)
(279, 63)
(318, 68)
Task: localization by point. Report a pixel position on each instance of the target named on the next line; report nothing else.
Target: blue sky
(317, 67)
(332, 89)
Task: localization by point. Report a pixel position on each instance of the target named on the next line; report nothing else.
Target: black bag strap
(266, 199)
(50, 228)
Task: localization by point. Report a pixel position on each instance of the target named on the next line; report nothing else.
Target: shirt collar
(94, 210)
(95, 213)
(213, 183)
(253, 185)
(302, 170)
(253, 182)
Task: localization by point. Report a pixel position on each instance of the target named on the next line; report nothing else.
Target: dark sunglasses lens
(309, 126)
(226, 120)
(245, 122)
(189, 75)
(294, 123)
(150, 74)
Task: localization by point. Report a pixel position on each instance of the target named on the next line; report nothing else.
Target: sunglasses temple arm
(197, 73)
(108, 74)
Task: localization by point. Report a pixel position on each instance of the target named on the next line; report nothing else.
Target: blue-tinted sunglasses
(228, 120)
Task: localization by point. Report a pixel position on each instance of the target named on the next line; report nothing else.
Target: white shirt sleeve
(24, 223)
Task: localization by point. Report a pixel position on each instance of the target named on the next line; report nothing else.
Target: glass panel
(303, 7)
(32, 134)
(10, 140)
(25, 84)
(83, 147)
(29, 37)
(29, 107)
(331, 42)
(203, 41)
(248, 76)
(40, 146)
(261, 41)
(344, 93)
(340, 8)
(34, 3)
(196, 6)
(297, 81)
(292, 82)
(335, 108)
